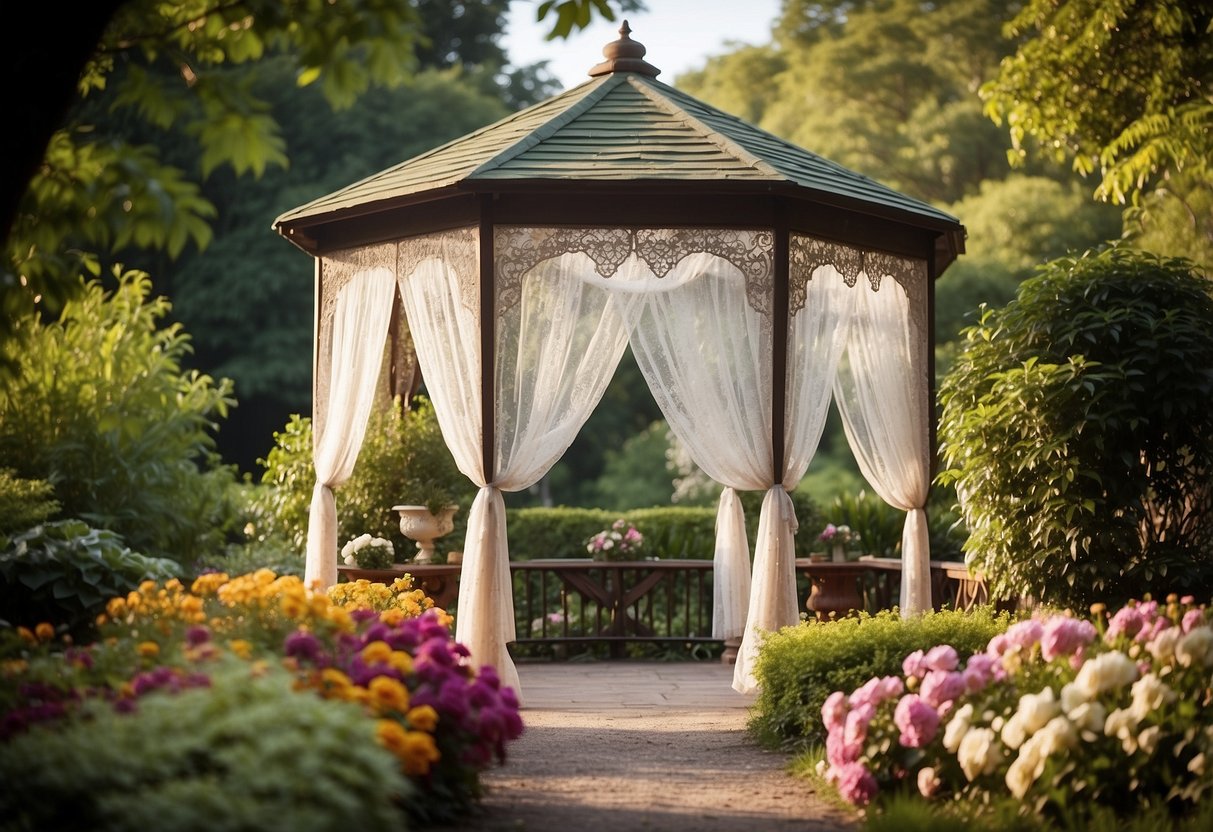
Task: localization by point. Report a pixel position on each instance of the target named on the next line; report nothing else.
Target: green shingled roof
(619, 127)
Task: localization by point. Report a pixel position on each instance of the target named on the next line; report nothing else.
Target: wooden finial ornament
(624, 55)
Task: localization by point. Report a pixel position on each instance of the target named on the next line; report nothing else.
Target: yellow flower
(148, 587)
(293, 607)
(377, 652)
(242, 648)
(148, 649)
(423, 718)
(335, 683)
(205, 585)
(387, 694)
(116, 607)
(401, 661)
(173, 585)
(420, 752)
(44, 631)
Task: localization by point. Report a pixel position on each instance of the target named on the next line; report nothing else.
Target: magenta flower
(834, 711)
(980, 670)
(1063, 636)
(917, 721)
(856, 784)
(942, 657)
(915, 665)
(1024, 634)
(1193, 618)
(940, 686)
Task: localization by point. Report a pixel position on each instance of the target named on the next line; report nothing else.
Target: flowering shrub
(368, 552)
(838, 535)
(1117, 713)
(385, 650)
(619, 542)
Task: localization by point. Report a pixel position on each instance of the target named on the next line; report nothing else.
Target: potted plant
(430, 480)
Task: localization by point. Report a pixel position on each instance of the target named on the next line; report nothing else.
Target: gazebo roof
(627, 129)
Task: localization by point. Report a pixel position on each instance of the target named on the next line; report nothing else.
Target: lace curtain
(882, 393)
(558, 341)
(817, 327)
(361, 313)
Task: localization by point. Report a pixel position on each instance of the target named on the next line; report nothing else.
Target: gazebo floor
(642, 746)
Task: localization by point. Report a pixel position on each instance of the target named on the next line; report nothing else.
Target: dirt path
(658, 747)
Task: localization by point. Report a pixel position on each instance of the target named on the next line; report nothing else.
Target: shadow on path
(660, 747)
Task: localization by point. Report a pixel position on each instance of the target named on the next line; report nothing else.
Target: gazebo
(754, 280)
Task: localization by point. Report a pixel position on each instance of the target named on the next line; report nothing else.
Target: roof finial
(624, 55)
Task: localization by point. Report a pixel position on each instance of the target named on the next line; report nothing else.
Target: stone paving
(653, 746)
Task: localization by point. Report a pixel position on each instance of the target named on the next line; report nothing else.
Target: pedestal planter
(421, 525)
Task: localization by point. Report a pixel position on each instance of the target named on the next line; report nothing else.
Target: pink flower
(839, 752)
(942, 657)
(876, 690)
(1188, 600)
(940, 686)
(1127, 621)
(1024, 634)
(891, 687)
(855, 729)
(915, 665)
(917, 721)
(1192, 618)
(998, 645)
(1151, 630)
(856, 784)
(834, 711)
(980, 670)
(1063, 636)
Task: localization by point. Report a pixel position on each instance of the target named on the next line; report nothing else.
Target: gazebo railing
(577, 601)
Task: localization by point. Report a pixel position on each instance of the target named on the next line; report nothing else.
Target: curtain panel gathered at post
(358, 323)
(697, 306)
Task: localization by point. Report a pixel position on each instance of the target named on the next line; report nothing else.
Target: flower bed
(403, 708)
(1065, 715)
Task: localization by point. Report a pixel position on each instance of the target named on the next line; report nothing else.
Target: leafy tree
(637, 474)
(1078, 430)
(101, 407)
(159, 64)
(1122, 87)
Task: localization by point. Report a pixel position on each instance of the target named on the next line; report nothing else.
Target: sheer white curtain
(558, 342)
(706, 355)
(817, 329)
(881, 389)
(360, 322)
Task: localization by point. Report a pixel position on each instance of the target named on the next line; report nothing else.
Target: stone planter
(419, 524)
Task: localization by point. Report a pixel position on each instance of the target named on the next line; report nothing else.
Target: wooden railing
(581, 601)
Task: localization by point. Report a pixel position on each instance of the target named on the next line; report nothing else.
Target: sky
(680, 35)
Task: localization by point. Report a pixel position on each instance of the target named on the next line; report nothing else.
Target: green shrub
(101, 407)
(247, 752)
(559, 532)
(1078, 426)
(877, 523)
(798, 667)
(64, 572)
(403, 461)
(24, 503)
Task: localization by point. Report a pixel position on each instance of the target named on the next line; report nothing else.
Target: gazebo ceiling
(623, 148)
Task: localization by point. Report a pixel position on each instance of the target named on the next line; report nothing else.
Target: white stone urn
(419, 524)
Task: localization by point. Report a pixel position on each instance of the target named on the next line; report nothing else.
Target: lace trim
(336, 271)
(459, 249)
(519, 249)
(807, 254)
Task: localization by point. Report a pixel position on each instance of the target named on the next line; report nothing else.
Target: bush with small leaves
(1077, 429)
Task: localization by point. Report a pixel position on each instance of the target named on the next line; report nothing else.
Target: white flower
(1162, 647)
(978, 753)
(1034, 712)
(1147, 740)
(1072, 696)
(928, 781)
(1123, 725)
(1196, 647)
(1088, 717)
(1105, 672)
(958, 726)
(1197, 764)
(1019, 776)
(1149, 694)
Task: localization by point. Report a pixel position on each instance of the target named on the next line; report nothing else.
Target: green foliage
(577, 14)
(877, 523)
(798, 667)
(1122, 87)
(404, 460)
(1175, 221)
(24, 503)
(636, 474)
(64, 572)
(1078, 429)
(246, 752)
(101, 407)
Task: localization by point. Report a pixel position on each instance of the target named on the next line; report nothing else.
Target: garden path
(652, 746)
